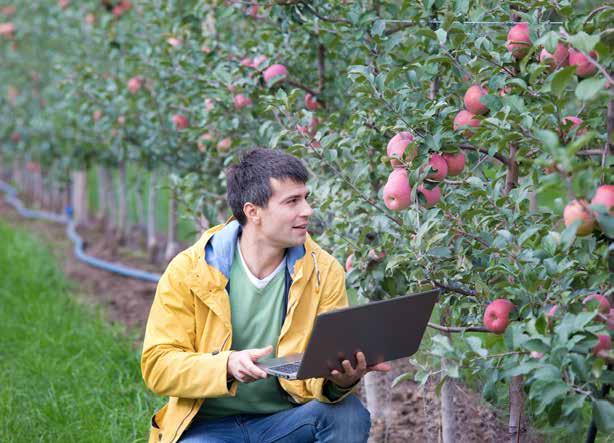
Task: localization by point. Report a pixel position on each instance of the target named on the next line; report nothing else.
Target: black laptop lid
(383, 330)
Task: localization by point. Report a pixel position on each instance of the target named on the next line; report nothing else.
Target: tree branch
(503, 159)
(458, 290)
(301, 86)
(451, 329)
(321, 66)
(324, 18)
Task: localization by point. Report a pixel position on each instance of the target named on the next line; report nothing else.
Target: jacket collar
(220, 244)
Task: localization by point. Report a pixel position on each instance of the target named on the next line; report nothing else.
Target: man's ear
(252, 213)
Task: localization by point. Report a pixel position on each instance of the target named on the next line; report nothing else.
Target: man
(247, 288)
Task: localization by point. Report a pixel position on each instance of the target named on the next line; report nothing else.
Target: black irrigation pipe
(71, 231)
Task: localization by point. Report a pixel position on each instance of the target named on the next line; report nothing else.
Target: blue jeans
(347, 421)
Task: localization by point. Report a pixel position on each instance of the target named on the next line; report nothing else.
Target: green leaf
(603, 413)
(561, 79)
(475, 343)
(442, 35)
(606, 223)
(549, 138)
(589, 88)
(573, 403)
(378, 27)
(583, 42)
(401, 378)
(522, 369)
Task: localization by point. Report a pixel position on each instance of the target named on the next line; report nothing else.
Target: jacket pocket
(155, 432)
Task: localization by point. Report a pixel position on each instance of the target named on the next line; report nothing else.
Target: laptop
(383, 330)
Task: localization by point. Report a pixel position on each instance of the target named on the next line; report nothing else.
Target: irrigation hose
(71, 231)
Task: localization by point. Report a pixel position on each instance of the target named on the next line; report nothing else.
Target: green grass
(66, 375)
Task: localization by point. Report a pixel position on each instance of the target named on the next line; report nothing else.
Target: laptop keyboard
(288, 368)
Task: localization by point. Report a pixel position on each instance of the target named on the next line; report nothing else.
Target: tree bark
(103, 191)
(373, 394)
(516, 425)
(111, 205)
(448, 417)
(122, 207)
(511, 180)
(152, 244)
(171, 241)
(79, 196)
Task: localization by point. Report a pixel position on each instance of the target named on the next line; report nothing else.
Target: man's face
(284, 220)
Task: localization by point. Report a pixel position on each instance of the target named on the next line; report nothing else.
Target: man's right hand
(241, 364)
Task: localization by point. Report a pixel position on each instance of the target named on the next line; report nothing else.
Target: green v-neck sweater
(256, 316)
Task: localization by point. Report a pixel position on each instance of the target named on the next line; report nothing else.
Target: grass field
(66, 375)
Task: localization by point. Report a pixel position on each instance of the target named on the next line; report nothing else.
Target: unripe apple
(241, 101)
(349, 263)
(604, 344)
(518, 40)
(224, 144)
(472, 99)
(274, 74)
(456, 163)
(573, 121)
(397, 146)
(134, 84)
(437, 162)
(174, 42)
(311, 102)
(431, 196)
(397, 192)
(578, 210)
(604, 195)
(465, 118)
(556, 60)
(7, 29)
(496, 315)
(180, 121)
(584, 67)
(604, 304)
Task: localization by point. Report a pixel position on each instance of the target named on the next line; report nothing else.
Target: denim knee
(348, 419)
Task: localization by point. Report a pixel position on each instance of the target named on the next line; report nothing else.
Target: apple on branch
(496, 315)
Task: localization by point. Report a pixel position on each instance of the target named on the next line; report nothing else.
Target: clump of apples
(473, 106)
(579, 210)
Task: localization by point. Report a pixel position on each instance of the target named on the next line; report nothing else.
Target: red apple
(15, 136)
(552, 311)
(203, 140)
(572, 121)
(456, 163)
(274, 74)
(224, 144)
(311, 102)
(90, 19)
(604, 344)
(578, 210)
(7, 29)
(556, 60)
(397, 192)
(537, 355)
(496, 315)
(64, 3)
(604, 195)
(180, 121)
(241, 101)
(134, 84)
(97, 115)
(205, 49)
(376, 256)
(174, 42)
(504, 91)
(472, 99)
(431, 196)
(208, 104)
(397, 146)
(260, 61)
(584, 67)
(465, 118)
(247, 62)
(610, 320)
(437, 162)
(8, 10)
(604, 304)
(349, 263)
(519, 40)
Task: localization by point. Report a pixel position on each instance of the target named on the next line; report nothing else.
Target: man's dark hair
(250, 179)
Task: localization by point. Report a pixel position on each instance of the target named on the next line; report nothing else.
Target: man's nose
(307, 210)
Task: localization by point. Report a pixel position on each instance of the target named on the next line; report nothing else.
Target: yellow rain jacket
(189, 335)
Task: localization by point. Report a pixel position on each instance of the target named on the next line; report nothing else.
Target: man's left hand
(351, 375)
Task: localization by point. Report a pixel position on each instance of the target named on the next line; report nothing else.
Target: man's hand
(351, 375)
(241, 364)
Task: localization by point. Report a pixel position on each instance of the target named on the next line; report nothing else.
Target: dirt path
(414, 412)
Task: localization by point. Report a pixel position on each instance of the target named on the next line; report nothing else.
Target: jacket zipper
(184, 418)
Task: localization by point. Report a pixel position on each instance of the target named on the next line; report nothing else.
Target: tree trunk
(448, 417)
(103, 190)
(373, 394)
(516, 425)
(79, 196)
(122, 215)
(171, 242)
(152, 244)
(111, 205)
